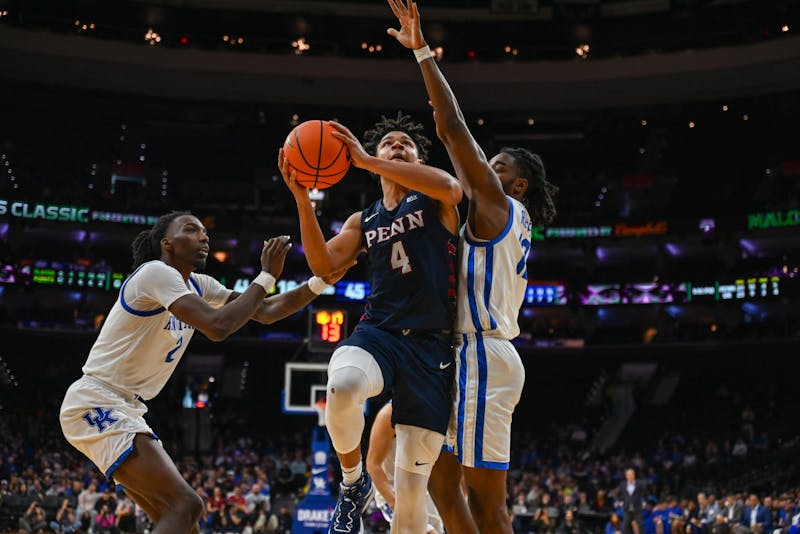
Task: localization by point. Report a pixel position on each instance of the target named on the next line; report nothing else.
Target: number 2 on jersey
(522, 266)
(178, 345)
(400, 258)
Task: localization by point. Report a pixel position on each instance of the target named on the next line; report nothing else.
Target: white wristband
(422, 53)
(317, 285)
(265, 280)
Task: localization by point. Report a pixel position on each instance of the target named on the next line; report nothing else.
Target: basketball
(319, 159)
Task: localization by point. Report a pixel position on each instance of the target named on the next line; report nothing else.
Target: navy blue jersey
(411, 262)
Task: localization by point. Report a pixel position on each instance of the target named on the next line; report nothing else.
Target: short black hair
(401, 123)
(540, 191)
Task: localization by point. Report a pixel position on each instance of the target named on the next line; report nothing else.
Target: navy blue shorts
(417, 369)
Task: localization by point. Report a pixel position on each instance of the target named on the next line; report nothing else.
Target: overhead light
(691, 124)
(531, 121)
(644, 122)
(784, 28)
(152, 37)
(745, 117)
(725, 107)
(481, 122)
(300, 46)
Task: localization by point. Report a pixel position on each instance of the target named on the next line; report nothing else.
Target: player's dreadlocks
(147, 245)
(402, 123)
(540, 191)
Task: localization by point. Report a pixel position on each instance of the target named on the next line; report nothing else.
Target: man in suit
(632, 493)
(732, 511)
(755, 517)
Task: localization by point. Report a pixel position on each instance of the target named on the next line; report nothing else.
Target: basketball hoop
(319, 406)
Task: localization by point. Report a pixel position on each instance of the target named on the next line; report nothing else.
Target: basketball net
(319, 406)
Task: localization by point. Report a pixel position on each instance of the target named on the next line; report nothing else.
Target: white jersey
(493, 276)
(141, 342)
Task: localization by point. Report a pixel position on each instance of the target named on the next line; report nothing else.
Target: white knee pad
(417, 449)
(353, 377)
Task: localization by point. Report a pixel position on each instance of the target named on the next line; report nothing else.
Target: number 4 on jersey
(400, 258)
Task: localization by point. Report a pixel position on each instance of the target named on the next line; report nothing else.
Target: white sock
(350, 475)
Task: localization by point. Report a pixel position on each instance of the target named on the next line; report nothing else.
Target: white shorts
(102, 422)
(434, 519)
(488, 386)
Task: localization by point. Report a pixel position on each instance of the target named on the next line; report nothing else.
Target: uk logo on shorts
(101, 420)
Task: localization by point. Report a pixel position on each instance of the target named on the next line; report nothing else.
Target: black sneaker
(353, 501)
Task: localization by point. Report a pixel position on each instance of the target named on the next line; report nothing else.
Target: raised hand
(274, 254)
(290, 177)
(358, 156)
(410, 32)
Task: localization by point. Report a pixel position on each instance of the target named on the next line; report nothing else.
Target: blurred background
(661, 324)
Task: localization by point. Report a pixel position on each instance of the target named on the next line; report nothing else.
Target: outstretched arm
(277, 307)
(324, 258)
(477, 178)
(430, 181)
(219, 323)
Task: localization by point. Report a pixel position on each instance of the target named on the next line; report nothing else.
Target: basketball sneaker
(353, 501)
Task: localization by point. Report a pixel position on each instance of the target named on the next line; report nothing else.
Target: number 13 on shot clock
(326, 328)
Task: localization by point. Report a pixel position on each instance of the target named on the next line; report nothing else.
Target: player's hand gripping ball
(317, 157)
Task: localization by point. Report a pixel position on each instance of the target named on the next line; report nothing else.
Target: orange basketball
(319, 159)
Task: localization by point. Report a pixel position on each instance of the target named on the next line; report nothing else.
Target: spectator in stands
(707, 512)
(65, 519)
(87, 498)
(284, 481)
(739, 448)
(721, 526)
(755, 516)
(34, 518)
(520, 513)
(125, 519)
(265, 520)
(299, 468)
(732, 511)
(104, 521)
(569, 525)
(614, 525)
(284, 521)
(236, 501)
(773, 514)
(214, 506)
(583, 503)
(255, 497)
(602, 505)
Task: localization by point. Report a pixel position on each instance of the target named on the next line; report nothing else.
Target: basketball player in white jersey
(141, 342)
(381, 467)
(492, 277)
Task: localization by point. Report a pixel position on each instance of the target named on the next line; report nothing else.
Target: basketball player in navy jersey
(403, 341)
(492, 277)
